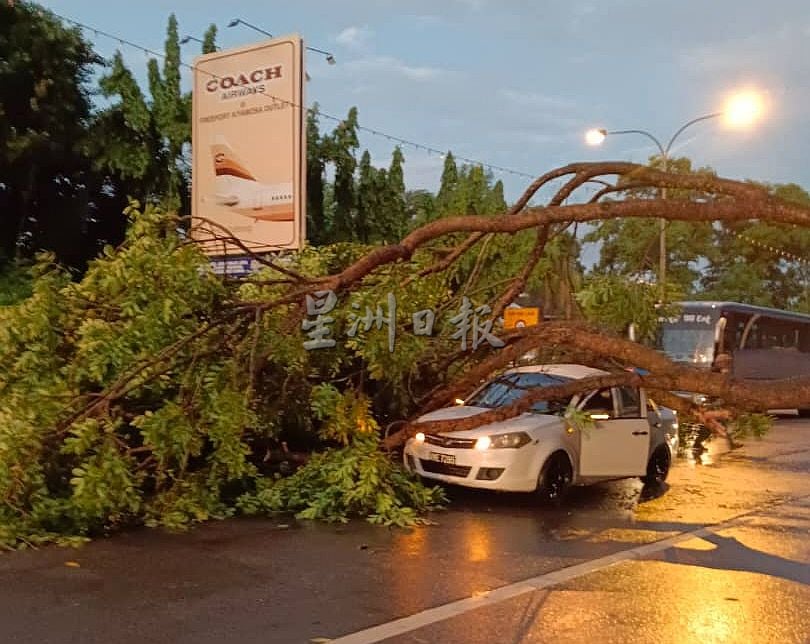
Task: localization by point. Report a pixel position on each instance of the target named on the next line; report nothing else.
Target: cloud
(582, 13)
(475, 5)
(422, 171)
(524, 98)
(353, 37)
(540, 114)
(427, 19)
(768, 49)
(584, 9)
(391, 65)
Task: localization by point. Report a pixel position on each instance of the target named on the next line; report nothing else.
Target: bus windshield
(695, 345)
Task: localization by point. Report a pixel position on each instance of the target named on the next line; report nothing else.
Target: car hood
(524, 422)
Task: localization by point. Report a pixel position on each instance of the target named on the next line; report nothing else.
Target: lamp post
(330, 58)
(187, 38)
(664, 151)
(741, 109)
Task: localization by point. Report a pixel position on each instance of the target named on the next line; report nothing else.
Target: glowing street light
(596, 136)
(741, 109)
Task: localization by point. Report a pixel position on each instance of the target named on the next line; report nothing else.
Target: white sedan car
(539, 450)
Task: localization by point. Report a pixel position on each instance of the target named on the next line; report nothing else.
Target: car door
(619, 442)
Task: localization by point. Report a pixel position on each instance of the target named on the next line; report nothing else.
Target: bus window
(749, 338)
(776, 334)
(804, 339)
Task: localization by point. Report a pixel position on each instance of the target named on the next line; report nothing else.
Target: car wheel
(555, 478)
(804, 413)
(658, 466)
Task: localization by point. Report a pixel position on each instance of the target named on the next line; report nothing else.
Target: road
(722, 555)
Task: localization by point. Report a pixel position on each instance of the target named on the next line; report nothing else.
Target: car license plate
(450, 459)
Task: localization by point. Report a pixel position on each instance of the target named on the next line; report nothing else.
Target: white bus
(750, 342)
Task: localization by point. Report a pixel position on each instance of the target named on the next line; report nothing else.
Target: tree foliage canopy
(141, 393)
(746, 261)
(45, 175)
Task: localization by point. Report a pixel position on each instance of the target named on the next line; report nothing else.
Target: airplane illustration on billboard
(237, 188)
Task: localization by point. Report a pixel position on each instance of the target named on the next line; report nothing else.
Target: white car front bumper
(508, 470)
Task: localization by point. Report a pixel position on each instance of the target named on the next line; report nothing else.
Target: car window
(629, 402)
(508, 388)
(601, 401)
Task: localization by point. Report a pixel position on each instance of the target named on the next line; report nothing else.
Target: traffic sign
(519, 317)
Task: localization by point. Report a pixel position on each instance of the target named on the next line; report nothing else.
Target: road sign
(240, 266)
(516, 318)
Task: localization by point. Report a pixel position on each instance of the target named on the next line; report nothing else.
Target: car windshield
(508, 388)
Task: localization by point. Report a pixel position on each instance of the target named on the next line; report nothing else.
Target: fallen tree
(154, 391)
(665, 377)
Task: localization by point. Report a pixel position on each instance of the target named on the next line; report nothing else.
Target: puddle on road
(631, 535)
(710, 451)
(704, 458)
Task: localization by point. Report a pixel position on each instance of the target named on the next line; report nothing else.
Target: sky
(516, 84)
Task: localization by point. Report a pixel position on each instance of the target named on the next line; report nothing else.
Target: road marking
(540, 582)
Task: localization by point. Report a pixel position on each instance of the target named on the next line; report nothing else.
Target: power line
(374, 132)
(777, 251)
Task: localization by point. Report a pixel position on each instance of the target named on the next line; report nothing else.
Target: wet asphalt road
(626, 569)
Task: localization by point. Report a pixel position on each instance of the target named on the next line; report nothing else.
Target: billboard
(248, 147)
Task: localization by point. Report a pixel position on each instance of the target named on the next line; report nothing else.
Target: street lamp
(743, 109)
(238, 21)
(185, 39)
(740, 110)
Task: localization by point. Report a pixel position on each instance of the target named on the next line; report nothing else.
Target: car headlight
(512, 440)
(483, 443)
